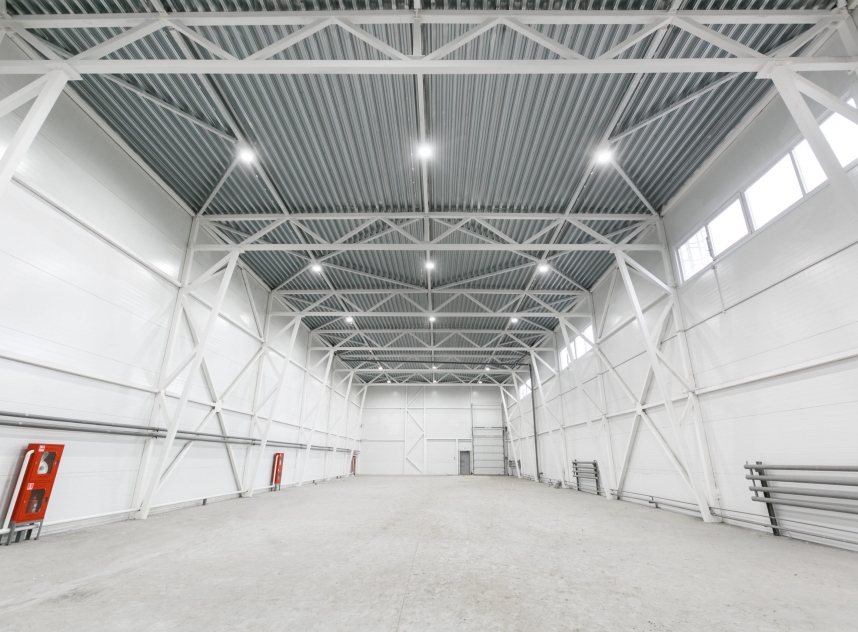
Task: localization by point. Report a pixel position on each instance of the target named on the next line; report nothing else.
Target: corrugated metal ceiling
(345, 144)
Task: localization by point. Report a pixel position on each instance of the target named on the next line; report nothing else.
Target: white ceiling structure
(431, 189)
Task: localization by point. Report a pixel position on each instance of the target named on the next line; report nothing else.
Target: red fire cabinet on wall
(42, 461)
(277, 474)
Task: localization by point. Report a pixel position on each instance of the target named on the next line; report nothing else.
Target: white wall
(784, 299)
(91, 252)
(420, 429)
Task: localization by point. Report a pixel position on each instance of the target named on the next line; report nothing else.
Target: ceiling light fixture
(434, 368)
(431, 319)
(246, 155)
(349, 319)
(543, 268)
(388, 381)
(513, 320)
(424, 151)
(479, 381)
(430, 265)
(317, 267)
(603, 156)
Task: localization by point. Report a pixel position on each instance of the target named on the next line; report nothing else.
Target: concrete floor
(454, 553)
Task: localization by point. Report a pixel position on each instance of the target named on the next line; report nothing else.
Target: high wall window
(577, 347)
(790, 179)
(580, 346)
(524, 390)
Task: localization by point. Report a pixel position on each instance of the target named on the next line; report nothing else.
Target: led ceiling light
(317, 267)
(543, 268)
(603, 156)
(424, 151)
(513, 320)
(349, 319)
(431, 319)
(430, 265)
(246, 155)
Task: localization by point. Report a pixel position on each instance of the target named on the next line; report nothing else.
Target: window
(564, 358)
(728, 228)
(694, 254)
(580, 345)
(811, 171)
(788, 181)
(772, 194)
(842, 135)
(524, 390)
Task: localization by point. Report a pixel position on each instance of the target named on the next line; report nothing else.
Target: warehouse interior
(429, 315)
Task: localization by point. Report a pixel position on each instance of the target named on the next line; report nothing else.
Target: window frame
(746, 209)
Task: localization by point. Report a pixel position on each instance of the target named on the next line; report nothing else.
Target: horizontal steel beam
(436, 372)
(518, 330)
(294, 18)
(436, 292)
(425, 67)
(424, 246)
(441, 215)
(432, 350)
(426, 315)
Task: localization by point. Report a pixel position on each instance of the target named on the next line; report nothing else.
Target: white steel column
(137, 497)
(509, 429)
(175, 419)
(319, 406)
(357, 432)
(563, 455)
(713, 495)
(662, 384)
(251, 477)
(29, 129)
(344, 414)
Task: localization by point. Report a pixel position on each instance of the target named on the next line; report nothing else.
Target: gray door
(464, 463)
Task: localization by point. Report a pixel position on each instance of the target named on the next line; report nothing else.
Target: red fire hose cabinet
(42, 462)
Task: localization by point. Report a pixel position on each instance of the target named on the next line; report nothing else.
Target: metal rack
(761, 475)
(586, 475)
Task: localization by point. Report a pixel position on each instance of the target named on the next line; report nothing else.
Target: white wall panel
(84, 325)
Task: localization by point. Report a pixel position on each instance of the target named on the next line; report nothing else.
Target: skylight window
(772, 194)
(694, 254)
(727, 228)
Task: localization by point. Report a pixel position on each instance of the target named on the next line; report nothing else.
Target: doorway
(464, 462)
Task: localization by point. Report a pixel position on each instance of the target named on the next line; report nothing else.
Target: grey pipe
(821, 480)
(800, 491)
(807, 505)
(126, 430)
(809, 468)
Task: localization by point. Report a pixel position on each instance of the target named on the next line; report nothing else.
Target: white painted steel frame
(780, 67)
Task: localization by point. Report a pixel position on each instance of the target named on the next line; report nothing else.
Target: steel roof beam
(497, 291)
(428, 67)
(482, 215)
(357, 314)
(457, 350)
(597, 247)
(296, 18)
